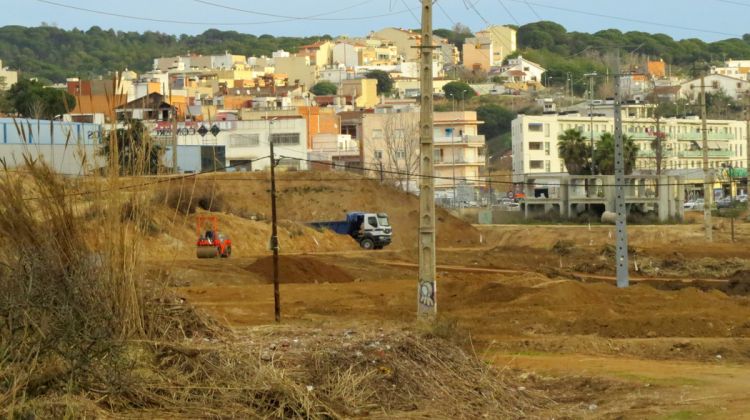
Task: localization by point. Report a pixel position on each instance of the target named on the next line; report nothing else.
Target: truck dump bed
(340, 227)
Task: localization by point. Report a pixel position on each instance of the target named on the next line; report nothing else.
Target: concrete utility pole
(591, 116)
(707, 176)
(174, 131)
(427, 297)
(621, 253)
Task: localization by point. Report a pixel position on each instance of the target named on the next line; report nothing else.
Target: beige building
(535, 142)
(299, 70)
(391, 142)
(405, 41)
(503, 40)
(320, 53)
(364, 92)
(8, 78)
(478, 53)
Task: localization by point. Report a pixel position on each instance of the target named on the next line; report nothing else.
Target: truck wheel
(367, 243)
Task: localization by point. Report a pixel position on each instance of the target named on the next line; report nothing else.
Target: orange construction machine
(211, 243)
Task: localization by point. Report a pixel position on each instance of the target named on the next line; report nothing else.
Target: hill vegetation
(54, 54)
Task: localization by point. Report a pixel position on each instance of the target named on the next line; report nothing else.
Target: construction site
(529, 321)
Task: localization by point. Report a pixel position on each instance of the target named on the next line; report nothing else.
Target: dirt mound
(293, 269)
(310, 196)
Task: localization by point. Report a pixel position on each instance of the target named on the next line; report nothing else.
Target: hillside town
(353, 104)
(217, 210)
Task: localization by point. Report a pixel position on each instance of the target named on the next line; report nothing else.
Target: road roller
(211, 243)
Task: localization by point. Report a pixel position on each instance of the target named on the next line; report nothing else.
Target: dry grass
(84, 332)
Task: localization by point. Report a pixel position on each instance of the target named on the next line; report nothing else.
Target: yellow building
(503, 40)
(478, 53)
(364, 92)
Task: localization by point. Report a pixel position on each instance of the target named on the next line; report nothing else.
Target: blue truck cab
(370, 230)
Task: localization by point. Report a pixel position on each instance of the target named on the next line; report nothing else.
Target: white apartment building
(733, 87)
(734, 68)
(535, 142)
(246, 142)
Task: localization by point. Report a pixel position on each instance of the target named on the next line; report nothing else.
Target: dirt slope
(310, 196)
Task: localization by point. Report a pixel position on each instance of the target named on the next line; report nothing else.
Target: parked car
(724, 202)
(696, 204)
(742, 198)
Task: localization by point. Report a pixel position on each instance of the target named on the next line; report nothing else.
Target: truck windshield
(383, 221)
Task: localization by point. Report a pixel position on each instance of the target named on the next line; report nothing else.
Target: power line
(737, 3)
(410, 11)
(313, 17)
(625, 19)
(508, 12)
(183, 22)
(533, 10)
(445, 13)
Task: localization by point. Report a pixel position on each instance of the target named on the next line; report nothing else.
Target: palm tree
(604, 155)
(575, 151)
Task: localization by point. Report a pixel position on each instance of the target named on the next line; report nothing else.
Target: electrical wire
(313, 17)
(205, 23)
(625, 19)
(533, 10)
(508, 12)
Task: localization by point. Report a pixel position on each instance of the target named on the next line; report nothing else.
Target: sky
(709, 20)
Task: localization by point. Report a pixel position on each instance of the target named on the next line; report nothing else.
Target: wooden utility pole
(707, 176)
(427, 297)
(621, 233)
(274, 232)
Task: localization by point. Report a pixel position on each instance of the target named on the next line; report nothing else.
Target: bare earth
(674, 345)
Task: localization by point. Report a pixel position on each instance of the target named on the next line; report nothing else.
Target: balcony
(465, 139)
(697, 136)
(652, 154)
(696, 154)
(459, 161)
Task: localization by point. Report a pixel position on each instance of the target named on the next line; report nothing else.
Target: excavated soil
(293, 269)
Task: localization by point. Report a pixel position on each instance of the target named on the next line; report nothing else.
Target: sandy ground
(539, 301)
(676, 344)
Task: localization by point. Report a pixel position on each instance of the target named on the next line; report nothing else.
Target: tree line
(53, 54)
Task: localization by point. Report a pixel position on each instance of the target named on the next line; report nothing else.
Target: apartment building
(8, 77)
(391, 143)
(535, 142)
(503, 39)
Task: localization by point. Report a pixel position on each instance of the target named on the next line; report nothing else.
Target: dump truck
(370, 230)
(211, 243)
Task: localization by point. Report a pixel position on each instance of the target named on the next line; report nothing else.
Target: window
(398, 133)
(535, 145)
(372, 221)
(285, 138)
(377, 133)
(383, 220)
(546, 148)
(438, 155)
(546, 166)
(244, 140)
(536, 127)
(400, 154)
(536, 164)
(715, 84)
(378, 154)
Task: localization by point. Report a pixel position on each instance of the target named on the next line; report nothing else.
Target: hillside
(54, 54)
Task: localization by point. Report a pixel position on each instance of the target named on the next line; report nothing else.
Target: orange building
(96, 97)
(657, 69)
(319, 121)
